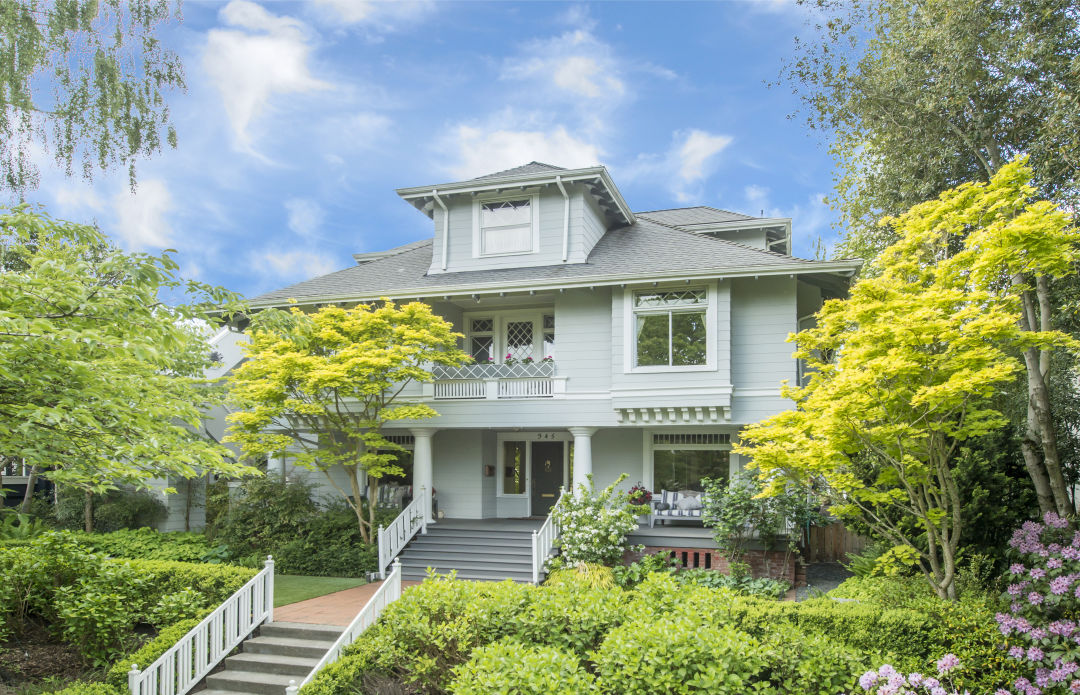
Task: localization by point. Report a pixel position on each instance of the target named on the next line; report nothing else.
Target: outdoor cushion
(689, 503)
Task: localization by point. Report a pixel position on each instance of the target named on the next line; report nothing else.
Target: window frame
(498, 333)
(631, 312)
(529, 436)
(649, 446)
(532, 196)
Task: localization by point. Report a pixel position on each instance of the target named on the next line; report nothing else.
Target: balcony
(496, 381)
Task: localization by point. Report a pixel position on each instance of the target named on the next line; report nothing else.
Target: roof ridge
(730, 243)
(700, 207)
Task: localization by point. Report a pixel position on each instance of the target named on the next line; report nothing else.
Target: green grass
(290, 588)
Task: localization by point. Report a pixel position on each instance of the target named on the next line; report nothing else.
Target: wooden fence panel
(832, 543)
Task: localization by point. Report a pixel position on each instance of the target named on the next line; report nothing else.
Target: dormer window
(506, 226)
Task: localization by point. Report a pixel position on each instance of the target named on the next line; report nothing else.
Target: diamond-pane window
(519, 339)
(687, 297)
(482, 325)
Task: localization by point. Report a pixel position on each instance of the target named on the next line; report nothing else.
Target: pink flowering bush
(888, 681)
(1044, 602)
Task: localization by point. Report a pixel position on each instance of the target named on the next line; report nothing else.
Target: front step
(475, 550)
(281, 653)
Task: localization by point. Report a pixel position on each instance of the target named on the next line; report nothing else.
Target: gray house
(606, 341)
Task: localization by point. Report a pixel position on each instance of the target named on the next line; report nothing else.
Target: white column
(281, 466)
(582, 455)
(423, 475)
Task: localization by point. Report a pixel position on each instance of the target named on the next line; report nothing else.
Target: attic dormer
(532, 215)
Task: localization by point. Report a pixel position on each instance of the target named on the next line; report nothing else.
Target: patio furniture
(677, 504)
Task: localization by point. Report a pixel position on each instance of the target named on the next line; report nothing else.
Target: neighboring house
(606, 341)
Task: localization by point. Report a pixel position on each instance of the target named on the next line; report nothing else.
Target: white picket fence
(189, 660)
(401, 530)
(386, 594)
(543, 540)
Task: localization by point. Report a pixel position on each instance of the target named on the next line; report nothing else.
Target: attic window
(507, 226)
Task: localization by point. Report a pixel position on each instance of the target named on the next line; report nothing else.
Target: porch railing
(186, 663)
(543, 540)
(401, 530)
(386, 594)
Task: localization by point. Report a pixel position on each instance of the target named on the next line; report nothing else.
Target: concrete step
(272, 663)
(459, 542)
(475, 533)
(288, 646)
(301, 631)
(489, 574)
(249, 682)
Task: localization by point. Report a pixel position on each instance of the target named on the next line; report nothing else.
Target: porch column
(582, 455)
(423, 475)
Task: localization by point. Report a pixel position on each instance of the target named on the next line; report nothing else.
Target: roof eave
(846, 267)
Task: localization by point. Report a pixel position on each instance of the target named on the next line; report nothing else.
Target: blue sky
(300, 120)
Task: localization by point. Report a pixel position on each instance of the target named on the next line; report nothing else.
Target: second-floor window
(670, 327)
(506, 226)
(514, 337)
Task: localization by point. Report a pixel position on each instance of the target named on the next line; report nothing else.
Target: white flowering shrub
(594, 526)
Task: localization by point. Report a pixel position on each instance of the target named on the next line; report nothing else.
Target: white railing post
(425, 508)
(269, 590)
(133, 679)
(535, 557)
(395, 581)
(292, 689)
(382, 554)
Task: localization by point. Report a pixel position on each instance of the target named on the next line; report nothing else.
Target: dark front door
(547, 475)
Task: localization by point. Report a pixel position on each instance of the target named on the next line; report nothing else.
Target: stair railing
(186, 663)
(401, 530)
(543, 540)
(386, 594)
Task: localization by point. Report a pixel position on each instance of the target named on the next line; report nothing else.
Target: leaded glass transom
(670, 298)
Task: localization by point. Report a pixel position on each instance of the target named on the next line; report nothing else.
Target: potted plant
(639, 495)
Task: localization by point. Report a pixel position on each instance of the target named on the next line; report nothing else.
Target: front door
(547, 475)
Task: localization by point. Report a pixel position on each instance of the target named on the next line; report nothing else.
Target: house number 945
(547, 435)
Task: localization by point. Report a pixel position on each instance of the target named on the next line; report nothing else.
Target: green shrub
(678, 655)
(81, 688)
(570, 616)
(148, 544)
(594, 525)
(511, 667)
(744, 583)
(117, 676)
(589, 575)
(797, 662)
(215, 582)
(99, 621)
(112, 511)
(172, 608)
(629, 576)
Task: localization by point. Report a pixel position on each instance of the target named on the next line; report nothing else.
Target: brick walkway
(338, 608)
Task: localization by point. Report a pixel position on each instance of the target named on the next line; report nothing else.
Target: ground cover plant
(661, 635)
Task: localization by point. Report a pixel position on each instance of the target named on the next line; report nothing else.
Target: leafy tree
(990, 237)
(83, 80)
(100, 381)
(922, 96)
(882, 425)
(320, 388)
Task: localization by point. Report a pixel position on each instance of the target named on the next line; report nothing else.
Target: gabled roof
(370, 256)
(643, 251)
(702, 214)
(530, 168)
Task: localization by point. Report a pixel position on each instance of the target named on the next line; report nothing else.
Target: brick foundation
(763, 563)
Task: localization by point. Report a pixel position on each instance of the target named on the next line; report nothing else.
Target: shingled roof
(702, 214)
(640, 251)
(530, 168)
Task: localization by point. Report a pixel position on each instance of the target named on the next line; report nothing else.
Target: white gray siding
(763, 314)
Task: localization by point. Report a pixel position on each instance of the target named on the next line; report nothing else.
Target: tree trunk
(28, 496)
(358, 505)
(88, 512)
(373, 500)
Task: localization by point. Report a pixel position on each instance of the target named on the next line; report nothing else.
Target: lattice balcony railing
(495, 371)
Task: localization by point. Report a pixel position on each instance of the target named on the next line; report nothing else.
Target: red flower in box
(639, 495)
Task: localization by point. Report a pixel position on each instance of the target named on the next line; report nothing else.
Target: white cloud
(77, 199)
(482, 150)
(697, 152)
(289, 266)
(263, 56)
(684, 168)
(141, 218)
(385, 15)
(305, 216)
(575, 62)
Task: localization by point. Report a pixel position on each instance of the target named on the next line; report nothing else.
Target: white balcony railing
(497, 381)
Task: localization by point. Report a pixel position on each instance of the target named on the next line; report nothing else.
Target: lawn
(290, 588)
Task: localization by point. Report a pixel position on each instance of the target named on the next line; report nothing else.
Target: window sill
(669, 370)
(505, 253)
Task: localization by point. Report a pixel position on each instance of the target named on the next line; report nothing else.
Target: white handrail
(401, 530)
(543, 539)
(386, 594)
(186, 663)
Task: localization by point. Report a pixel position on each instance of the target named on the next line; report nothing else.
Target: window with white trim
(514, 336)
(482, 340)
(683, 461)
(670, 327)
(506, 226)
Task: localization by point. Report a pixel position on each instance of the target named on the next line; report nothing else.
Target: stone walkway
(338, 608)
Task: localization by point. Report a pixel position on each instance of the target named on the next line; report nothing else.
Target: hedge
(147, 654)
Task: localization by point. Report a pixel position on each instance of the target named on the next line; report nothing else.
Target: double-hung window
(506, 226)
(671, 327)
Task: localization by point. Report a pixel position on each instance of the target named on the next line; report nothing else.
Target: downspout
(566, 219)
(445, 225)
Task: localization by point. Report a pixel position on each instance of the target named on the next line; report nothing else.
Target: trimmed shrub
(116, 677)
(215, 582)
(148, 544)
(570, 616)
(81, 688)
(678, 655)
(509, 667)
